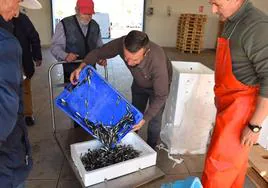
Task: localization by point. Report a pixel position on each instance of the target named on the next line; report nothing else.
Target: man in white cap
(75, 36)
(15, 158)
(30, 4)
(28, 37)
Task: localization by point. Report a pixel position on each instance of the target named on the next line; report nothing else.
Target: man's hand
(75, 74)
(38, 63)
(71, 57)
(248, 137)
(102, 62)
(139, 125)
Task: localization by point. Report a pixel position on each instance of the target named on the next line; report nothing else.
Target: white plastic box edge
(147, 159)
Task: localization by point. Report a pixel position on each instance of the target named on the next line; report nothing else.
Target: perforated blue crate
(94, 99)
(190, 182)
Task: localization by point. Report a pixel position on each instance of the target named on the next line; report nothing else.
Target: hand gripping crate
(94, 103)
(190, 110)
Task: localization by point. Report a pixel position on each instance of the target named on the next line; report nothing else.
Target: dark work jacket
(29, 41)
(15, 160)
(154, 72)
(76, 42)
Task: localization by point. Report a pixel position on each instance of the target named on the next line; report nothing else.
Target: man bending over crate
(151, 71)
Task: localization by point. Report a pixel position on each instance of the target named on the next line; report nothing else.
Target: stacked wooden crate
(190, 32)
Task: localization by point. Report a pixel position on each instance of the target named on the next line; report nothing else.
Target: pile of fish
(110, 153)
(102, 157)
(109, 135)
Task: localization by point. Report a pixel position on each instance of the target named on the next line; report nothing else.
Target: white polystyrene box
(146, 159)
(190, 109)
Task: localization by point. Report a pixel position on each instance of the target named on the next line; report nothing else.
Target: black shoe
(29, 120)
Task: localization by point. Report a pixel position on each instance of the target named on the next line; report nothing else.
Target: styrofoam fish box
(191, 80)
(146, 159)
(190, 108)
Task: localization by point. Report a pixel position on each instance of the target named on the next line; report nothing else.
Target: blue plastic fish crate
(94, 99)
(190, 182)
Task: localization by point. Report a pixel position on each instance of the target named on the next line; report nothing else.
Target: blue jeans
(22, 185)
(140, 98)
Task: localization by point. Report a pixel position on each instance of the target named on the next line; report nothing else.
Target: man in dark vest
(75, 36)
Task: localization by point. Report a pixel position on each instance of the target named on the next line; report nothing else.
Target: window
(115, 17)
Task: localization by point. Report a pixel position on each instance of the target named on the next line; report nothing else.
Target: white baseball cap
(31, 4)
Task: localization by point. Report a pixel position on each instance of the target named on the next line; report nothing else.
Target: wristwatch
(254, 128)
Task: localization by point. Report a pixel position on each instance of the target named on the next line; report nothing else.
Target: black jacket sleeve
(33, 38)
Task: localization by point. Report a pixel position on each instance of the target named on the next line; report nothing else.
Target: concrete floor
(50, 169)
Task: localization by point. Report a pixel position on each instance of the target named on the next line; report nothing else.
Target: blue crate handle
(190, 182)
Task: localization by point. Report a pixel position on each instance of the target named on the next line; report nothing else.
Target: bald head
(225, 8)
(9, 9)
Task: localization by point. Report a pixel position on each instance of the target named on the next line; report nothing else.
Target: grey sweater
(249, 46)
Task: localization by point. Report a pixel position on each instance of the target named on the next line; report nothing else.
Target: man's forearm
(154, 108)
(261, 111)
(107, 51)
(58, 53)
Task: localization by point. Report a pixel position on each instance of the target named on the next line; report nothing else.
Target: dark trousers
(67, 71)
(140, 98)
(68, 68)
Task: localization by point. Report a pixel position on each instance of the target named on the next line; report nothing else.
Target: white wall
(161, 28)
(42, 20)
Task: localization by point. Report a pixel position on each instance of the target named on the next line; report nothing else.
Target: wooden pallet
(193, 29)
(258, 159)
(193, 19)
(193, 16)
(188, 46)
(190, 50)
(194, 44)
(189, 41)
(190, 32)
(190, 26)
